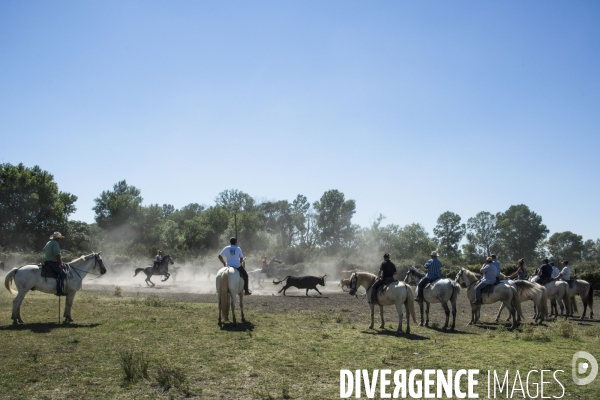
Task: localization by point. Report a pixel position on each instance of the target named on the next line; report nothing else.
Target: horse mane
(81, 258)
(470, 274)
(413, 270)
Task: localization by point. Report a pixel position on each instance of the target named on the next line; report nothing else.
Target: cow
(302, 282)
(345, 282)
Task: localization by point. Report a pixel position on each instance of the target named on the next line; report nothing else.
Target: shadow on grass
(241, 327)
(449, 331)
(45, 327)
(386, 332)
(306, 297)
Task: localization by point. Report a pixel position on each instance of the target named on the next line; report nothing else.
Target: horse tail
(544, 307)
(410, 297)
(8, 280)
(516, 301)
(138, 270)
(590, 298)
(455, 291)
(281, 281)
(225, 294)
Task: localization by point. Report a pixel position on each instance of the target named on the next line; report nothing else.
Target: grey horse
(441, 291)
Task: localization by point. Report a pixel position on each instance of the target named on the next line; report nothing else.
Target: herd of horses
(399, 293)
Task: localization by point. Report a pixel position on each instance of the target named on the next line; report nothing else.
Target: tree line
(32, 206)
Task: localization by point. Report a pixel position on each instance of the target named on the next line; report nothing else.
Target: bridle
(97, 261)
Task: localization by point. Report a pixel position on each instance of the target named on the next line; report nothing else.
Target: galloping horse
(504, 292)
(441, 291)
(257, 276)
(397, 293)
(29, 277)
(530, 291)
(229, 283)
(161, 269)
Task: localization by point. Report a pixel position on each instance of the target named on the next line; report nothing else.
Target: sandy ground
(333, 300)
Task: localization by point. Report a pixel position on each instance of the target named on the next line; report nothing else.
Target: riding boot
(244, 276)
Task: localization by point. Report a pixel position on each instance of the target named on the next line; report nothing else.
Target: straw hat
(56, 235)
(489, 259)
(434, 254)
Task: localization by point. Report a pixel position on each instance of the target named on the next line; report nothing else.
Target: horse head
(168, 259)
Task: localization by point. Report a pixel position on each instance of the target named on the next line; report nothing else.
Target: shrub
(134, 364)
(170, 376)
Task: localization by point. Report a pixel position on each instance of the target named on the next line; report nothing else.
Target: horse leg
(421, 309)
(447, 311)
(220, 324)
(427, 314)
(242, 306)
(306, 292)
(68, 305)
(453, 315)
(372, 315)
(400, 316)
(167, 276)
(499, 312)
(381, 314)
(232, 298)
(16, 313)
(472, 314)
(512, 312)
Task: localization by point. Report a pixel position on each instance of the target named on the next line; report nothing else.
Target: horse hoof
(381, 326)
(421, 324)
(15, 322)
(370, 327)
(444, 329)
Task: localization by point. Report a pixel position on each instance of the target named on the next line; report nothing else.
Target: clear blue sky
(411, 108)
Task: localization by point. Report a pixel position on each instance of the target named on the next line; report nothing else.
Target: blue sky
(410, 108)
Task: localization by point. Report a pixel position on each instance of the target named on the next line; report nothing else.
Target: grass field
(163, 344)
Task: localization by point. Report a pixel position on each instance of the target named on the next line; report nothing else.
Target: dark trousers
(60, 281)
(478, 288)
(543, 281)
(244, 276)
(379, 283)
(421, 285)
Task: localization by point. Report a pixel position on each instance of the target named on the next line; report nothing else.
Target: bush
(134, 364)
(172, 377)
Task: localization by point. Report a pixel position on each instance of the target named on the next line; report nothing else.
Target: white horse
(530, 291)
(586, 293)
(504, 292)
(29, 277)
(396, 293)
(257, 276)
(441, 291)
(556, 291)
(229, 283)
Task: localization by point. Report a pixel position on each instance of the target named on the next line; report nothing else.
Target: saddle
(48, 272)
(386, 282)
(431, 283)
(490, 288)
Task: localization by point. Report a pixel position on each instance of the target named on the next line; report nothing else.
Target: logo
(589, 366)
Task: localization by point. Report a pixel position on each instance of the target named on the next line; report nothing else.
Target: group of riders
(490, 271)
(232, 256)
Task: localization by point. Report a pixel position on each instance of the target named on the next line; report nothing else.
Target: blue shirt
(546, 271)
(434, 269)
(489, 273)
(496, 265)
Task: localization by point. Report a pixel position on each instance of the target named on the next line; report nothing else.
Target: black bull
(302, 282)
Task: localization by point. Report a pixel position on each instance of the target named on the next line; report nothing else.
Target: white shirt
(555, 272)
(566, 273)
(232, 255)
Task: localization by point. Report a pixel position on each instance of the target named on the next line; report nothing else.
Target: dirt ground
(333, 301)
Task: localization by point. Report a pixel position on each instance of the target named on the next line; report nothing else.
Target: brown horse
(161, 269)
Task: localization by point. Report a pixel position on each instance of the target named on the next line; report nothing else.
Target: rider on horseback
(565, 274)
(434, 272)
(496, 265)
(234, 259)
(54, 261)
(488, 269)
(544, 273)
(387, 270)
(520, 274)
(158, 259)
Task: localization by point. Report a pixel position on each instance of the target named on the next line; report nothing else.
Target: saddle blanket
(48, 272)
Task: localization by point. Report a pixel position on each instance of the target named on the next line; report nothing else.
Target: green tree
(334, 219)
(80, 237)
(413, 241)
(482, 237)
(566, 245)
(449, 232)
(520, 230)
(591, 250)
(118, 207)
(279, 220)
(204, 230)
(31, 206)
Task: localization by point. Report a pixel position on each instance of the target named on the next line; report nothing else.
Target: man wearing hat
(53, 260)
(488, 270)
(234, 257)
(434, 272)
(387, 270)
